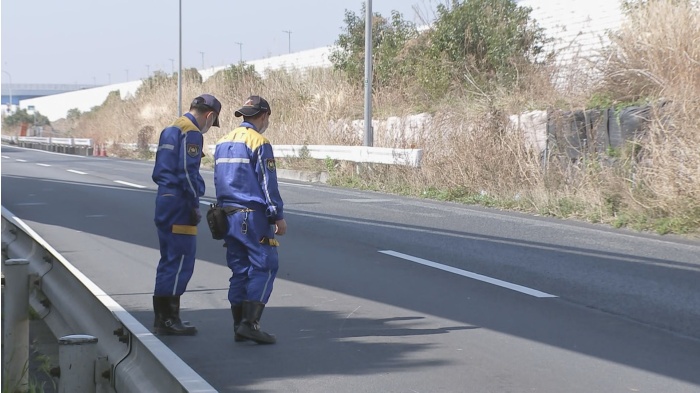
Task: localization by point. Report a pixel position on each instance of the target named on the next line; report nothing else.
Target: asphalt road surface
(381, 293)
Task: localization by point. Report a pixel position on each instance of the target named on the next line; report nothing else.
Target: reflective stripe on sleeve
(233, 161)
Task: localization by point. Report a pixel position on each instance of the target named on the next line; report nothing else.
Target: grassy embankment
(469, 156)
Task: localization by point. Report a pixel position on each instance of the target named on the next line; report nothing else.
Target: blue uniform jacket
(178, 159)
(245, 172)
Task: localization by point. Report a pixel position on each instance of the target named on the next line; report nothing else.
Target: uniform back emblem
(192, 150)
(270, 164)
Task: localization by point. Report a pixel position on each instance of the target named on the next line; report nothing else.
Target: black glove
(195, 216)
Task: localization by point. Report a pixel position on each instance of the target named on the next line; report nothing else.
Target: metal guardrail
(129, 357)
(377, 155)
(364, 154)
(77, 146)
(48, 140)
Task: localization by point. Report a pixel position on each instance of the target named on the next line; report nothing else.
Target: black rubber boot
(155, 320)
(167, 310)
(237, 312)
(250, 326)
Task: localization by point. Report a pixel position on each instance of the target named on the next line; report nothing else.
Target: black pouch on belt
(218, 221)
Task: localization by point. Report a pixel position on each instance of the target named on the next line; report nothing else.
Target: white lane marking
(475, 276)
(129, 184)
(78, 172)
(5, 157)
(365, 200)
(31, 204)
(43, 164)
(20, 160)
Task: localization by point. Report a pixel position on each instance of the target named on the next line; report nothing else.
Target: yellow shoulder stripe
(185, 124)
(250, 137)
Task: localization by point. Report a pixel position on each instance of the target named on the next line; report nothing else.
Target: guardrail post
(76, 359)
(16, 330)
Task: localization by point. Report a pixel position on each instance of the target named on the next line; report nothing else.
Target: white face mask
(208, 123)
(265, 125)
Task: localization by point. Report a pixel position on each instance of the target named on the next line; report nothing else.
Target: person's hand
(195, 216)
(280, 227)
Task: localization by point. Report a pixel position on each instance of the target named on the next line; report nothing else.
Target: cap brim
(246, 112)
(216, 122)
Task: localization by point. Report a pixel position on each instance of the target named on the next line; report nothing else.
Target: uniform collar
(249, 125)
(192, 119)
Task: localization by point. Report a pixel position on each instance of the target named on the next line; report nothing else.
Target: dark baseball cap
(208, 101)
(252, 106)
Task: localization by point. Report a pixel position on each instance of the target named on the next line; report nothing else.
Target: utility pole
(369, 136)
(179, 60)
(240, 51)
(202, 59)
(10, 85)
(289, 39)
(172, 66)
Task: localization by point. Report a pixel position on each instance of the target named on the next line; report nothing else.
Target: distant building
(13, 93)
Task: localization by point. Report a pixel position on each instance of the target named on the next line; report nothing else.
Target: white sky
(96, 41)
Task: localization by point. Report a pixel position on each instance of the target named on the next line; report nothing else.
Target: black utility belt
(217, 218)
(231, 210)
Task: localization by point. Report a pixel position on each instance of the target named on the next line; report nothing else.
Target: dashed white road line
(129, 184)
(40, 164)
(5, 157)
(464, 273)
(78, 172)
(20, 160)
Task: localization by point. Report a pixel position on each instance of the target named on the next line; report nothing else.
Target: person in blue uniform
(245, 178)
(176, 172)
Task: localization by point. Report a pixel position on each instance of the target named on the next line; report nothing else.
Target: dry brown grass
(469, 155)
(656, 55)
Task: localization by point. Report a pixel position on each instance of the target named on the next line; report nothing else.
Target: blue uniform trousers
(250, 256)
(178, 243)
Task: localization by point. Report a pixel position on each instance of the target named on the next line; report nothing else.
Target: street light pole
(369, 137)
(289, 39)
(172, 66)
(10, 86)
(179, 62)
(240, 50)
(202, 59)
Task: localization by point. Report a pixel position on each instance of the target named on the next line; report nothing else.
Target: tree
(485, 40)
(22, 116)
(239, 72)
(389, 36)
(73, 114)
